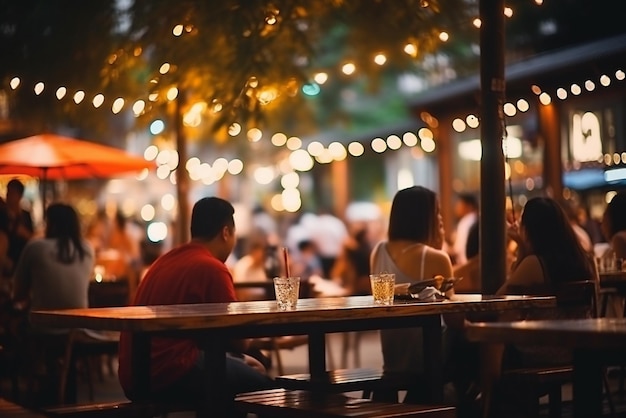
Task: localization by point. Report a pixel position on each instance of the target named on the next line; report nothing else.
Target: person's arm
(527, 273)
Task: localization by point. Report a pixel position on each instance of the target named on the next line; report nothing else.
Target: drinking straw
(286, 259)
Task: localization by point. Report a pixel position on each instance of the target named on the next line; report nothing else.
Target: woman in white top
(413, 252)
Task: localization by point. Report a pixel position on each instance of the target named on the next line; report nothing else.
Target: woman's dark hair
(554, 241)
(616, 212)
(413, 215)
(63, 225)
(209, 215)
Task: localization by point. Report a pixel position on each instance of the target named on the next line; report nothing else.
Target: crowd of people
(549, 247)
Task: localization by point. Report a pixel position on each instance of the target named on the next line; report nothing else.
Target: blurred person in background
(21, 228)
(54, 272)
(549, 251)
(466, 211)
(614, 224)
(6, 264)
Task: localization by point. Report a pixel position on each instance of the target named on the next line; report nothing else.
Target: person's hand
(513, 232)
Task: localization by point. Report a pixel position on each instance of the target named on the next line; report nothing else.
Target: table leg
(317, 357)
(433, 357)
(217, 397)
(140, 359)
(587, 390)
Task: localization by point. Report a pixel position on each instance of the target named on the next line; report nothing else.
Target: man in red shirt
(192, 273)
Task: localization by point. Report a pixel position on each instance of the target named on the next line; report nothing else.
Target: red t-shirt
(186, 274)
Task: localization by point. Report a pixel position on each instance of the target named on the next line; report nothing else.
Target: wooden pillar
(445, 154)
(552, 164)
(492, 185)
(340, 185)
(182, 176)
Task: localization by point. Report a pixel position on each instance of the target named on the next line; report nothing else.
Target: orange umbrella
(51, 156)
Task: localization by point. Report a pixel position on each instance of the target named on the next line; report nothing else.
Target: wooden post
(182, 176)
(492, 184)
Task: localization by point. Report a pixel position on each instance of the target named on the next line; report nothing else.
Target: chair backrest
(577, 298)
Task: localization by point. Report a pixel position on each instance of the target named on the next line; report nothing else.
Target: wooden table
(314, 317)
(595, 343)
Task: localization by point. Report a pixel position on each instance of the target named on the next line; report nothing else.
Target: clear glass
(383, 285)
(287, 290)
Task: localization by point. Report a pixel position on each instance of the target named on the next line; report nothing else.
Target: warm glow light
(394, 142)
(315, 148)
(147, 212)
(477, 23)
(619, 74)
(379, 145)
(255, 135)
(356, 149)
(561, 93)
(235, 166)
(61, 92)
(165, 67)
(279, 139)
(410, 49)
(172, 93)
(301, 160)
(428, 144)
(290, 180)
(590, 85)
(522, 105)
(156, 231)
(264, 175)
(178, 30)
(444, 36)
(508, 12)
(118, 105)
(337, 151)
(472, 121)
(39, 88)
(151, 152)
(98, 100)
(153, 97)
(409, 139)
(234, 129)
(509, 109)
(15, 82)
(575, 89)
(79, 96)
(294, 143)
(545, 98)
(138, 107)
(320, 78)
(380, 59)
(168, 201)
(458, 125)
(605, 80)
(348, 68)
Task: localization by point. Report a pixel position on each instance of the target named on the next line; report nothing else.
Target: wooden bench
(299, 403)
(13, 410)
(121, 409)
(349, 380)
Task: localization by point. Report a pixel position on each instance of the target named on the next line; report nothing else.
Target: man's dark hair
(209, 216)
(469, 199)
(16, 185)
